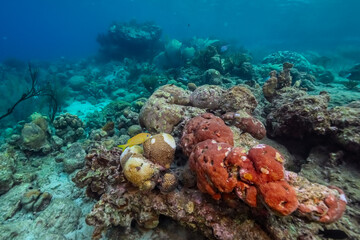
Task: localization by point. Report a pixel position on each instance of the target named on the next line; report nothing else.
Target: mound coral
(160, 149)
(169, 106)
(142, 165)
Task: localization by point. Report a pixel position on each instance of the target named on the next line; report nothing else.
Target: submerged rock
(34, 200)
(33, 138)
(7, 169)
(10, 202)
(207, 96)
(60, 217)
(73, 158)
(300, 117)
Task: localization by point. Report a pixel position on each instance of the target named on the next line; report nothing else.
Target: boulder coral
(160, 149)
(237, 98)
(207, 96)
(297, 59)
(294, 113)
(33, 137)
(142, 165)
(141, 172)
(170, 105)
(165, 109)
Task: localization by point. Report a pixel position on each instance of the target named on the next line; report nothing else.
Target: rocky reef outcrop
(129, 39)
(69, 127)
(295, 113)
(169, 106)
(231, 175)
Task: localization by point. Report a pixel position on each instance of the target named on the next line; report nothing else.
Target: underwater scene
(192, 119)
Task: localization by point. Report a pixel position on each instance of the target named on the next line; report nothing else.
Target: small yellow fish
(135, 140)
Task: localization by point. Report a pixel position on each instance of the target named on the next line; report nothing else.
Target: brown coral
(165, 109)
(160, 149)
(237, 98)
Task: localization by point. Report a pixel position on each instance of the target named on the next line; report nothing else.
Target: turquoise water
(79, 78)
(50, 30)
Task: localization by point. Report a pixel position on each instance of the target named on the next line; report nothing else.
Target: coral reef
(69, 127)
(299, 61)
(187, 206)
(294, 113)
(253, 177)
(173, 105)
(299, 117)
(129, 39)
(236, 152)
(165, 109)
(277, 81)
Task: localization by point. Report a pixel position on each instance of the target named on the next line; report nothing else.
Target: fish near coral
(137, 139)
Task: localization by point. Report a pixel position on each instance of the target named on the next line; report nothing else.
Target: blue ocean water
(41, 29)
(192, 119)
